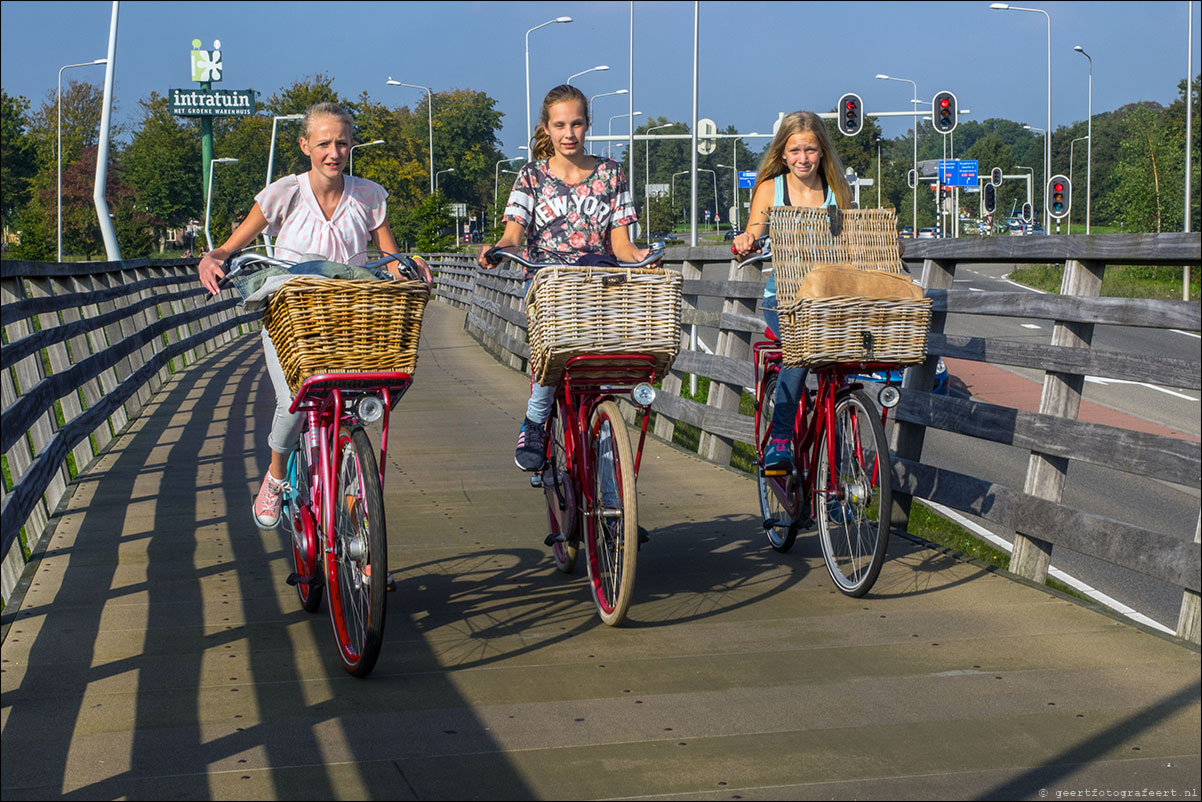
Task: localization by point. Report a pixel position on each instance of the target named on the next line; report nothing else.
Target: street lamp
(440, 172)
(1047, 142)
(1089, 145)
(1045, 166)
(608, 144)
(209, 196)
(60, 145)
(647, 174)
(599, 68)
(271, 163)
(590, 108)
(914, 223)
(361, 145)
(1070, 171)
(496, 185)
(700, 170)
(532, 30)
(430, 120)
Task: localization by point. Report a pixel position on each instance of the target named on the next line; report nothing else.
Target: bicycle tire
(357, 566)
(611, 542)
(562, 497)
(853, 543)
(298, 522)
(783, 533)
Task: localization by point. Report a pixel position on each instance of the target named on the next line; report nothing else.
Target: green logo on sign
(206, 65)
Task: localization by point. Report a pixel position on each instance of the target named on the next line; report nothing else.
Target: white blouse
(295, 219)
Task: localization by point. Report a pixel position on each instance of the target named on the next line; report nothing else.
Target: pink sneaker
(267, 504)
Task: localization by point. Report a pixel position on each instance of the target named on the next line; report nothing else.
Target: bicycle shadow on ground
(162, 656)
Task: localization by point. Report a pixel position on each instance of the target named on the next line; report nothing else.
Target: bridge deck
(159, 654)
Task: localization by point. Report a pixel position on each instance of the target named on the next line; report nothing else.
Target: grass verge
(1119, 281)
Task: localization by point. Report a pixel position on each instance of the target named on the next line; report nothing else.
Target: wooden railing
(86, 345)
(496, 318)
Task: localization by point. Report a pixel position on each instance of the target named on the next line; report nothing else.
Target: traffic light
(851, 114)
(1059, 197)
(995, 176)
(1028, 213)
(943, 112)
(990, 196)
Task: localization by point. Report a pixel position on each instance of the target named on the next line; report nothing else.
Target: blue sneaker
(532, 446)
(778, 457)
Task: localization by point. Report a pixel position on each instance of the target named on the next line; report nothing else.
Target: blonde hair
(326, 109)
(773, 163)
(541, 147)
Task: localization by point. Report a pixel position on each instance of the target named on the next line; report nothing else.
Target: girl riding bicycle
(568, 207)
(320, 214)
(800, 168)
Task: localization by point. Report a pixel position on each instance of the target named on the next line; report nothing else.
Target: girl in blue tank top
(800, 168)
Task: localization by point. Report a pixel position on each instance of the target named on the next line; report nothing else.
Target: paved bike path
(159, 654)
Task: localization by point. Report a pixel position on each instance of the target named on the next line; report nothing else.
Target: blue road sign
(747, 179)
(958, 172)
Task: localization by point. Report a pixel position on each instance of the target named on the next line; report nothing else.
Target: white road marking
(1031, 326)
(1096, 380)
(1056, 573)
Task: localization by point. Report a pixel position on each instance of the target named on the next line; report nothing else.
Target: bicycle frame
(588, 380)
(807, 428)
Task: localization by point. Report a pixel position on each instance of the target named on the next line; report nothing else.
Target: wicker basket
(321, 325)
(601, 310)
(843, 328)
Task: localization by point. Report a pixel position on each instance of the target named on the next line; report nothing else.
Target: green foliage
(36, 235)
(16, 154)
(162, 165)
(432, 219)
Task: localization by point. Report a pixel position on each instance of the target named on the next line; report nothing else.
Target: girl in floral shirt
(565, 206)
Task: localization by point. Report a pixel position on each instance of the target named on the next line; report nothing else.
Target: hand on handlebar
(744, 244)
(212, 270)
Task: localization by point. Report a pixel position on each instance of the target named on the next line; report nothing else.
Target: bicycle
(332, 503)
(841, 463)
(588, 478)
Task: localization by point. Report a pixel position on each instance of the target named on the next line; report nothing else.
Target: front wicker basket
(822, 331)
(321, 325)
(601, 310)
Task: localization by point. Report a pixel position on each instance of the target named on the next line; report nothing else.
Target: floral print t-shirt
(565, 221)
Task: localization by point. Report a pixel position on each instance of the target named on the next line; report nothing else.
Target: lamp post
(532, 30)
(700, 170)
(599, 68)
(429, 120)
(1089, 144)
(1070, 171)
(608, 144)
(590, 108)
(496, 185)
(271, 164)
(440, 172)
(361, 145)
(914, 223)
(647, 176)
(60, 145)
(1045, 167)
(1047, 143)
(1030, 179)
(209, 196)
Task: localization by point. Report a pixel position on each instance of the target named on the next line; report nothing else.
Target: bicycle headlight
(643, 394)
(369, 409)
(889, 396)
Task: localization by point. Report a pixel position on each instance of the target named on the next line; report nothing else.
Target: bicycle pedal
(774, 472)
(300, 579)
(772, 523)
(552, 539)
(536, 480)
(644, 535)
(391, 586)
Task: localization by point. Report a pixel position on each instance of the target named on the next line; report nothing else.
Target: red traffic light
(1058, 187)
(944, 103)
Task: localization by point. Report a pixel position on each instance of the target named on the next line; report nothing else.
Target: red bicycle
(841, 464)
(589, 476)
(333, 504)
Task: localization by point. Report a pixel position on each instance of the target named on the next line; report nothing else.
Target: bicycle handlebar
(764, 247)
(495, 255)
(249, 259)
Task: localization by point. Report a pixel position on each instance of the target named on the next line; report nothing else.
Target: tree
(162, 165)
(432, 217)
(17, 154)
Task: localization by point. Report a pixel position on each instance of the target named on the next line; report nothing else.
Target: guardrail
(86, 345)
(496, 318)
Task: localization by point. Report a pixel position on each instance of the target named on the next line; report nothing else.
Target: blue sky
(757, 58)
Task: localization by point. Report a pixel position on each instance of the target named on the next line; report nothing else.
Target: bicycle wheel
(779, 523)
(853, 505)
(612, 544)
(357, 568)
(562, 497)
(297, 520)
